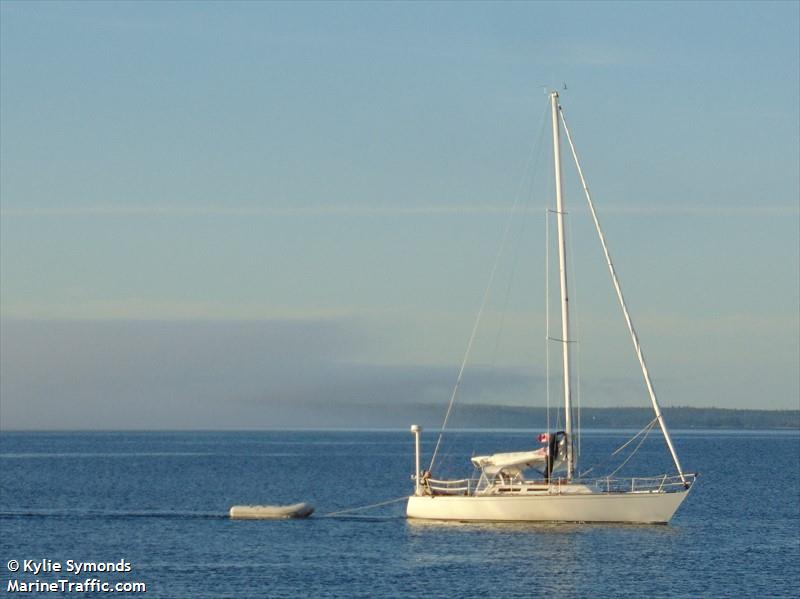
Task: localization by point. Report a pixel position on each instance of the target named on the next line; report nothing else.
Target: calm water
(159, 501)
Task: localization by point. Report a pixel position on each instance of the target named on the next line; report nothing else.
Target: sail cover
(516, 462)
(512, 463)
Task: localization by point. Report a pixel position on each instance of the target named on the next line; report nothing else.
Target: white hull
(640, 508)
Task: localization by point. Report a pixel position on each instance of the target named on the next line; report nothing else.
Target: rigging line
(474, 333)
(576, 311)
(557, 424)
(618, 449)
(511, 277)
(472, 336)
(362, 508)
(647, 427)
(547, 313)
(486, 295)
(577, 320)
(621, 298)
(628, 459)
(534, 155)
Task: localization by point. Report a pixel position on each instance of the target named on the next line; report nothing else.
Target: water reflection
(540, 528)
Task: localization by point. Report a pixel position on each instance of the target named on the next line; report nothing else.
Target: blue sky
(338, 177)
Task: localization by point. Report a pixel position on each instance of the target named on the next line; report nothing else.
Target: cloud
(137, 308)
(145, 210)
(399, 209)
(320, 372)
(208, 374)
(154, 374)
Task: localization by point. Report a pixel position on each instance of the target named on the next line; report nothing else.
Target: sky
(254, 215)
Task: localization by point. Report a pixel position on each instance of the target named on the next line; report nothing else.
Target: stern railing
(638, 484)
(461, 486)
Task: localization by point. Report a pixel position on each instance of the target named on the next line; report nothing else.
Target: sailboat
(543, 484)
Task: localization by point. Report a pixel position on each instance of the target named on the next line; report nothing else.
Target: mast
(562, 269)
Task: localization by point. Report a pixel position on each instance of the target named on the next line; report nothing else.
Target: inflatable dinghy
(271, 512)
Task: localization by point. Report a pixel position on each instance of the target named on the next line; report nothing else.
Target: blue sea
(159, 501)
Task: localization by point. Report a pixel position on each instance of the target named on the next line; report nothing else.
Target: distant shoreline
(685, 418)
(321, 416)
